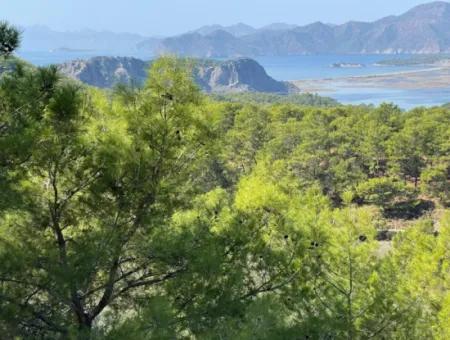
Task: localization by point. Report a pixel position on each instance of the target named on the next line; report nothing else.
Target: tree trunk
(84, 327)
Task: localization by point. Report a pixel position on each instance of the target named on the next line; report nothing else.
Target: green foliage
(435, 182)
(381, 191)
(158, 213)
(307, 99)
(419, 141)
(422, 280)
(9, 39)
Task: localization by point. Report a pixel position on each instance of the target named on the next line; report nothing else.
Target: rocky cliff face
(106, 71)
(240, 75)
(424, 29)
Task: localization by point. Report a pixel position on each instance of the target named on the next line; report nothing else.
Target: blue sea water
(319, 66)
(406, 99)
(304, 67)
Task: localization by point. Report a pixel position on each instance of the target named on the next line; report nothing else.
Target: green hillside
(162, 213)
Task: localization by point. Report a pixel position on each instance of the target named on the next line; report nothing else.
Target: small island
(347, 65)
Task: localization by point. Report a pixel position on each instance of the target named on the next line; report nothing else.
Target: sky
(169, 17)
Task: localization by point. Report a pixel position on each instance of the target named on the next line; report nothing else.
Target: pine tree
(9, 39)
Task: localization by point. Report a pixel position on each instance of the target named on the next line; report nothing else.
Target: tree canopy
(162, 213)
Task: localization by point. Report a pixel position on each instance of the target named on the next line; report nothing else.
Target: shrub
(434, 182)
(381, 191)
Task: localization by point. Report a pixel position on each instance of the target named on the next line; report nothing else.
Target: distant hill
(239, 75)
(236, 30)
(42, 38)
(218, 44)
(424, 29)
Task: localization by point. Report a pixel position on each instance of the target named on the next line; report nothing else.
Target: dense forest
(305, 99)
(162, 213)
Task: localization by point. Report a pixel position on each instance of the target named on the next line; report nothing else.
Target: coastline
(428, 78)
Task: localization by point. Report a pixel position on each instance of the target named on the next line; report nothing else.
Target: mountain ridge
(423, 29)
(42, 38)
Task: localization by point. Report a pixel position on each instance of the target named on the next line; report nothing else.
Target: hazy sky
(167, 17)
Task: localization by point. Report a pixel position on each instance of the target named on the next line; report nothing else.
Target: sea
(304, 67)
(319, 67)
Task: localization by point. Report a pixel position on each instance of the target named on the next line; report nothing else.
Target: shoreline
(420, 79)
(375, 75)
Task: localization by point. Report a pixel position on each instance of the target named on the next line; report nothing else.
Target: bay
(306, 67)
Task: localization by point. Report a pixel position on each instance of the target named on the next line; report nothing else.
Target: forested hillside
(162, 213)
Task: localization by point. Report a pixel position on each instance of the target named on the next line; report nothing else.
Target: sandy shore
(431, 78)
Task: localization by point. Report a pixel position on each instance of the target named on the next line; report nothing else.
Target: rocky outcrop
(106, 71)
(240, 75)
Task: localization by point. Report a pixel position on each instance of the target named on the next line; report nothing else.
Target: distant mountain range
(237, 30)
(424, 29)
(239, 75)
(42, 38)
(241, 29)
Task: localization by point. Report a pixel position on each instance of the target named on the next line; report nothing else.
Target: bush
(381, 191)
(434, 182)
